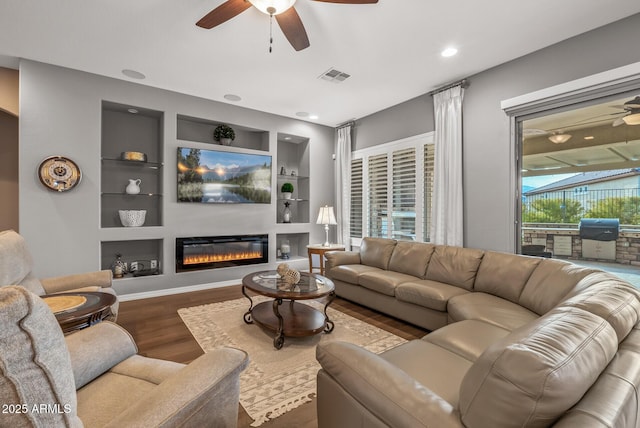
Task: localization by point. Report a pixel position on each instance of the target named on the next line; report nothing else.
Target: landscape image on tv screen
(217, 177)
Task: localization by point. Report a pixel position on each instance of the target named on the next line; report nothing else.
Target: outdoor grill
(599, 229)
(599, 237)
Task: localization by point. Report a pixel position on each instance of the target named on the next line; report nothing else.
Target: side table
(320, 250)
(78, 310)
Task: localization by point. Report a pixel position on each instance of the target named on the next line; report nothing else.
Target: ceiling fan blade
(618, 122)
(291, 25)
(349, 1)
(223, 13)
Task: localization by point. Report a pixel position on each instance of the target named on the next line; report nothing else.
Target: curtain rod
(345, 124)
(464, 83)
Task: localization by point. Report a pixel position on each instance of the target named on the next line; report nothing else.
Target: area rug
(276, 381)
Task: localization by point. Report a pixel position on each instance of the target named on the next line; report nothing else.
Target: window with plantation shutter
(391, 188)
(429, 153)
(377, 191)
(356, 198)
(403, 214)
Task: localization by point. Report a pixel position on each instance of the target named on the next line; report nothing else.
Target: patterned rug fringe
(281, 410)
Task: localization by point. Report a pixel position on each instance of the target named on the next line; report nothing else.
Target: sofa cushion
(411, 258)
(613, 400)
(612, 299)
(351, 273)
(549, 283)
(430, 294)
(504, 275)
(536, 373)
(454, 265)
(489, 308)
(437, 368)
(376, 252)
(16, 263)
(383, 281)
(468, 338)
(35, 367)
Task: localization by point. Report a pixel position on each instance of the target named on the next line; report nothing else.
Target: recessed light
(232, 97)
(133, 74)
(287, 138)
(302, 114)
(132, 110)
(449, 52)
(589, 137)
(313, 116)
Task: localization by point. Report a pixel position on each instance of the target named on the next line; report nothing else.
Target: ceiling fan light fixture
(272, 7)
(559, 138)
(632, 119)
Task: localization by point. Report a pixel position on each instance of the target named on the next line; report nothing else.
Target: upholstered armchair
(16, 268)
(93, 378)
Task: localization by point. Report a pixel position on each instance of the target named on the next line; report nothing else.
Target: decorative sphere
(282, 269)
(292, 276)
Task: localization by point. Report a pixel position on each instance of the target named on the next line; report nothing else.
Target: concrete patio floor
(626, 272)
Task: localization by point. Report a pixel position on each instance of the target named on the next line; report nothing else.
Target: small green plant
(223, 131)
(287, 188)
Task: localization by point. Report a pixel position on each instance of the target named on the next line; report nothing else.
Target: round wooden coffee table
(293, 319)
(78, 310)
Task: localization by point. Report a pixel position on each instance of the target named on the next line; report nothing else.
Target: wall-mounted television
(221, 177)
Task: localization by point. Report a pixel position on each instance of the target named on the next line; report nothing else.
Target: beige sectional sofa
(516, 341)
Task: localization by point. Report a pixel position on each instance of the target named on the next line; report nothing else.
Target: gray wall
(60, 114)
(488, 151)
(8, 171)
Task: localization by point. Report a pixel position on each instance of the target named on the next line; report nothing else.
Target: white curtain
(343, 185)
(446, 208)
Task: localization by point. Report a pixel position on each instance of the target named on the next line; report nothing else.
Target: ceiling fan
(632, 115)
(283, 10)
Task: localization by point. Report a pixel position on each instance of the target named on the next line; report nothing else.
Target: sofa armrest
(337, 258)
(385, 390)
(204, 393)
(97, 349)
(61, 284)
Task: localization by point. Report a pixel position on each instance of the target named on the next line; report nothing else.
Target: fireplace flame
(226, 257)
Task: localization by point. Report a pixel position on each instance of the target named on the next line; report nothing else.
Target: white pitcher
(133, 188)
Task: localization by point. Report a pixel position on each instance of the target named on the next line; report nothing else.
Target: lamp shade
(272, 7)
(326, 216)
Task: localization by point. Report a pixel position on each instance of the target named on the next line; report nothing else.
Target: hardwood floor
(160, 333)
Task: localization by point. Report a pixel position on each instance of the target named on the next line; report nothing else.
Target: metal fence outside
(569, 206)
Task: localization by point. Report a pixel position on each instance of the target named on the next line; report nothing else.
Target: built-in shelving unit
(201, 131)
(128, 128)
(292, 166)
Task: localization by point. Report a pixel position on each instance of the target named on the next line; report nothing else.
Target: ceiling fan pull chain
(271, 10)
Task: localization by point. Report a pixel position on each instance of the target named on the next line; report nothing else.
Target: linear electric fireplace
(211, 252)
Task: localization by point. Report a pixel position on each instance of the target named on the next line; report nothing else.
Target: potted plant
(224, 134)
(287, 190)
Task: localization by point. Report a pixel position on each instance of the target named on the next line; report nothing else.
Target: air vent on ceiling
(333, 75)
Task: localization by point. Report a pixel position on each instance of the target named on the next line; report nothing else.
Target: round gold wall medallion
(59, 173)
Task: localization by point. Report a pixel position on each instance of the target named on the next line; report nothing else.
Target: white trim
(177, 290)
(426, 138)
(586, 84)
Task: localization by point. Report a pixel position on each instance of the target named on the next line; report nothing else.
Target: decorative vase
(225, 141)
(118, 267)
(133, 188)
(286, 214)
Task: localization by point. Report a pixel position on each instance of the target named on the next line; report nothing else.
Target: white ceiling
(390, 49)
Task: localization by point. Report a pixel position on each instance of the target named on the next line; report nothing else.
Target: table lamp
(326, 217)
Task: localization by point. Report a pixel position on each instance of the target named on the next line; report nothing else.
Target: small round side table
(320, 250)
